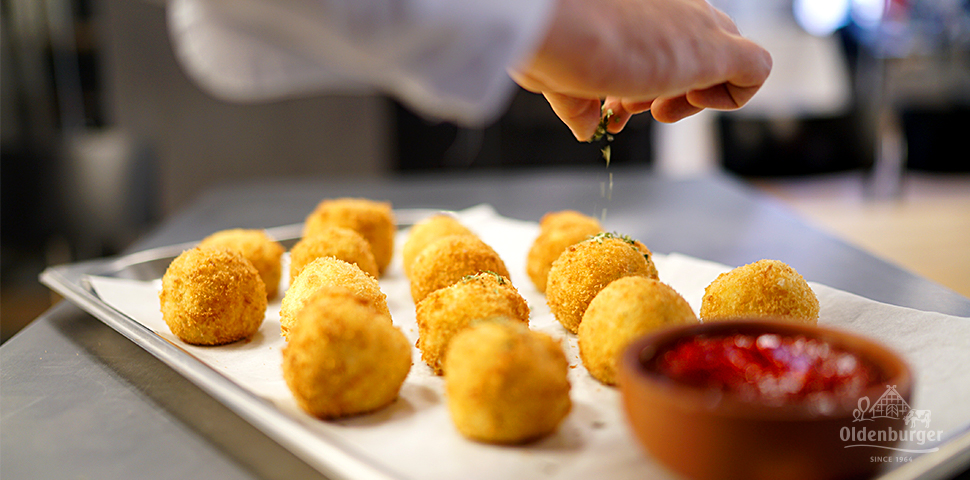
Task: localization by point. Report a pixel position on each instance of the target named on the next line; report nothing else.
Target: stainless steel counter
(78, 400)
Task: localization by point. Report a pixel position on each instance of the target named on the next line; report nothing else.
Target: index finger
(751, 67)
(623, 110)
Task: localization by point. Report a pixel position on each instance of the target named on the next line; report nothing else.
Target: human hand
(672, 57)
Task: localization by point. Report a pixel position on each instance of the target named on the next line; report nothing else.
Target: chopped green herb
(599, 237)
(601, 128)
(601, 133)
(468, 278)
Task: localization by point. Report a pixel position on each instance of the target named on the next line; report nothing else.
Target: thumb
(581, 115)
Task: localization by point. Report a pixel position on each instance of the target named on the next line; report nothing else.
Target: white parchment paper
(414, 437)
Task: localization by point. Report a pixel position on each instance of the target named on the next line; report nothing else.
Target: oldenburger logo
(890, 405)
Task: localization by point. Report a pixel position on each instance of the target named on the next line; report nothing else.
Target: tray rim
(71, 281)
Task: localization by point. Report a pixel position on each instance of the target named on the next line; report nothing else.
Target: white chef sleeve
(444, 58)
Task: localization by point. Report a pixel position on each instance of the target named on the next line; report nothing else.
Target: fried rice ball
(427, 231)
(766, 288)
(565, 218)
(624, 310)
(506, 384)
(448, 260)
(212, 296)
(327, 272)
(344, 357)
(333, 241)
(261, 250)
(557, 230)
(588, 266)
(371, 219)
(447, 311)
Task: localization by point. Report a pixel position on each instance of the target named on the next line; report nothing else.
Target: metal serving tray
(72, 282)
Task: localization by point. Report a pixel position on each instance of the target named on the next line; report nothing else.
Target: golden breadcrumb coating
(448, 260)
(333, 241)
(261, 250)
(371, 219)
(344, 357)
(624, 310)
(766, 288)
(506, 384)
(212, 296)
(327, 272)
(565, 218)
(426, 231)
(586, 267)
(557, 230)
(449, 310)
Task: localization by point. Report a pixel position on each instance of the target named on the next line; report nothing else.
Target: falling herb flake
(601, 133)
(606, 116)
(601, 128)
(609, 197)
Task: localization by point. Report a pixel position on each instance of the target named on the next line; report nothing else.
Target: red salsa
(768, 368)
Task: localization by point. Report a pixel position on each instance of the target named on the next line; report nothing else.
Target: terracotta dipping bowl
(708, 432)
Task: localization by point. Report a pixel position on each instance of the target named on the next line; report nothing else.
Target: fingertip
(582, 128)
(623, 111)
(617, 122)
(754, 65)
(767, 62)
(581, 115)
(670, 110)
(637, 106)
(581, 136)
(718, 97)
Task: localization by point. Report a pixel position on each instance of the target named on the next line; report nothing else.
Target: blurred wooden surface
(925, 230)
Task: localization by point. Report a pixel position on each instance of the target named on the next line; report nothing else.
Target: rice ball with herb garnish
(587, 267)
(447, 311)
(766, 288)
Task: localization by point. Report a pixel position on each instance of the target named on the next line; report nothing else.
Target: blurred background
(861, 129)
